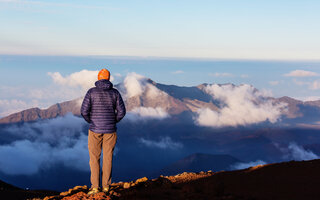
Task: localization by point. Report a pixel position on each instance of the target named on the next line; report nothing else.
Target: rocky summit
(288, 180)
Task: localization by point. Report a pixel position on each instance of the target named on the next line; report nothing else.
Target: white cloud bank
(247, 165)
(301, 73)
(84, 78)
(135, 86)
(164, 143)
(242, 105)
(297, 152)
(24, 157)
(149, 112)
(45, 143)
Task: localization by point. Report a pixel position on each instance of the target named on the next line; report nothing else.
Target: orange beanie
(104, 74)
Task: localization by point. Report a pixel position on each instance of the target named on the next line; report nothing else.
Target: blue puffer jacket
(103, 107)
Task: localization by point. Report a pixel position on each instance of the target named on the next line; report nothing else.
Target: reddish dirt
(281, 181)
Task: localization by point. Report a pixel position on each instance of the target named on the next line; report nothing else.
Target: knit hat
(104, 74)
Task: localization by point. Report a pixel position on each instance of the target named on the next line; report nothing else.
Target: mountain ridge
(171, 98)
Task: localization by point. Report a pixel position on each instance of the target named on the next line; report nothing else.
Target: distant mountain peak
(171, 98)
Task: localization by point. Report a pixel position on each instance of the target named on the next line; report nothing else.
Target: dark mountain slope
(281, 181)
(11, 192)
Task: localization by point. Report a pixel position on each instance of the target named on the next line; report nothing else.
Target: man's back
(103, 107)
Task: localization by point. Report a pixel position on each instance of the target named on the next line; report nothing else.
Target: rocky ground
(288, 180)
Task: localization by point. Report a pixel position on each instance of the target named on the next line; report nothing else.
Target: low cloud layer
(241, 105)
(45, 143)
(163, 143)
(140, 113)
(25, 157)
(247, 165)
(296, 152)
(52, 131)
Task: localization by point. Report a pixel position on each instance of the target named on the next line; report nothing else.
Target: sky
(272, 45)
(232, 29)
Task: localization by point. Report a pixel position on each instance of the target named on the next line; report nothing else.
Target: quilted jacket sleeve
(120, 107)
(86, 107)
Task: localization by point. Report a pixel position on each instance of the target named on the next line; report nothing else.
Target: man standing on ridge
(102, 108)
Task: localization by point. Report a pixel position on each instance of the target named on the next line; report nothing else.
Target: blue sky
(277, 30)
(172, 42)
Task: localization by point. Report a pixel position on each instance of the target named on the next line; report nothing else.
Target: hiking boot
(105, 189)
(93, 191)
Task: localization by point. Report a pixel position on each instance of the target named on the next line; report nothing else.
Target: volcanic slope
(280, 181)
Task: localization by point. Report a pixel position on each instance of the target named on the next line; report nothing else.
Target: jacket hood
(104, 84)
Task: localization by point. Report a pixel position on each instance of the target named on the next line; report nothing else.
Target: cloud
(296, 152)
(18, 98)
(238, 166)
(241, 105)
(10, 106)
(52, 131)
(45, 143)
(69, 87)
(301, 73)
(177, 72)
(164, 143)
(221, 74)
(274, 83)
(134, 84)
(141, 113)
(84, 78)
(310, 98)
(25, 157)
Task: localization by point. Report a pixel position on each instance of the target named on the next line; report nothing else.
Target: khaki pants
(107, 142)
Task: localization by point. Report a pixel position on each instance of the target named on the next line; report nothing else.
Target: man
(102, 108)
